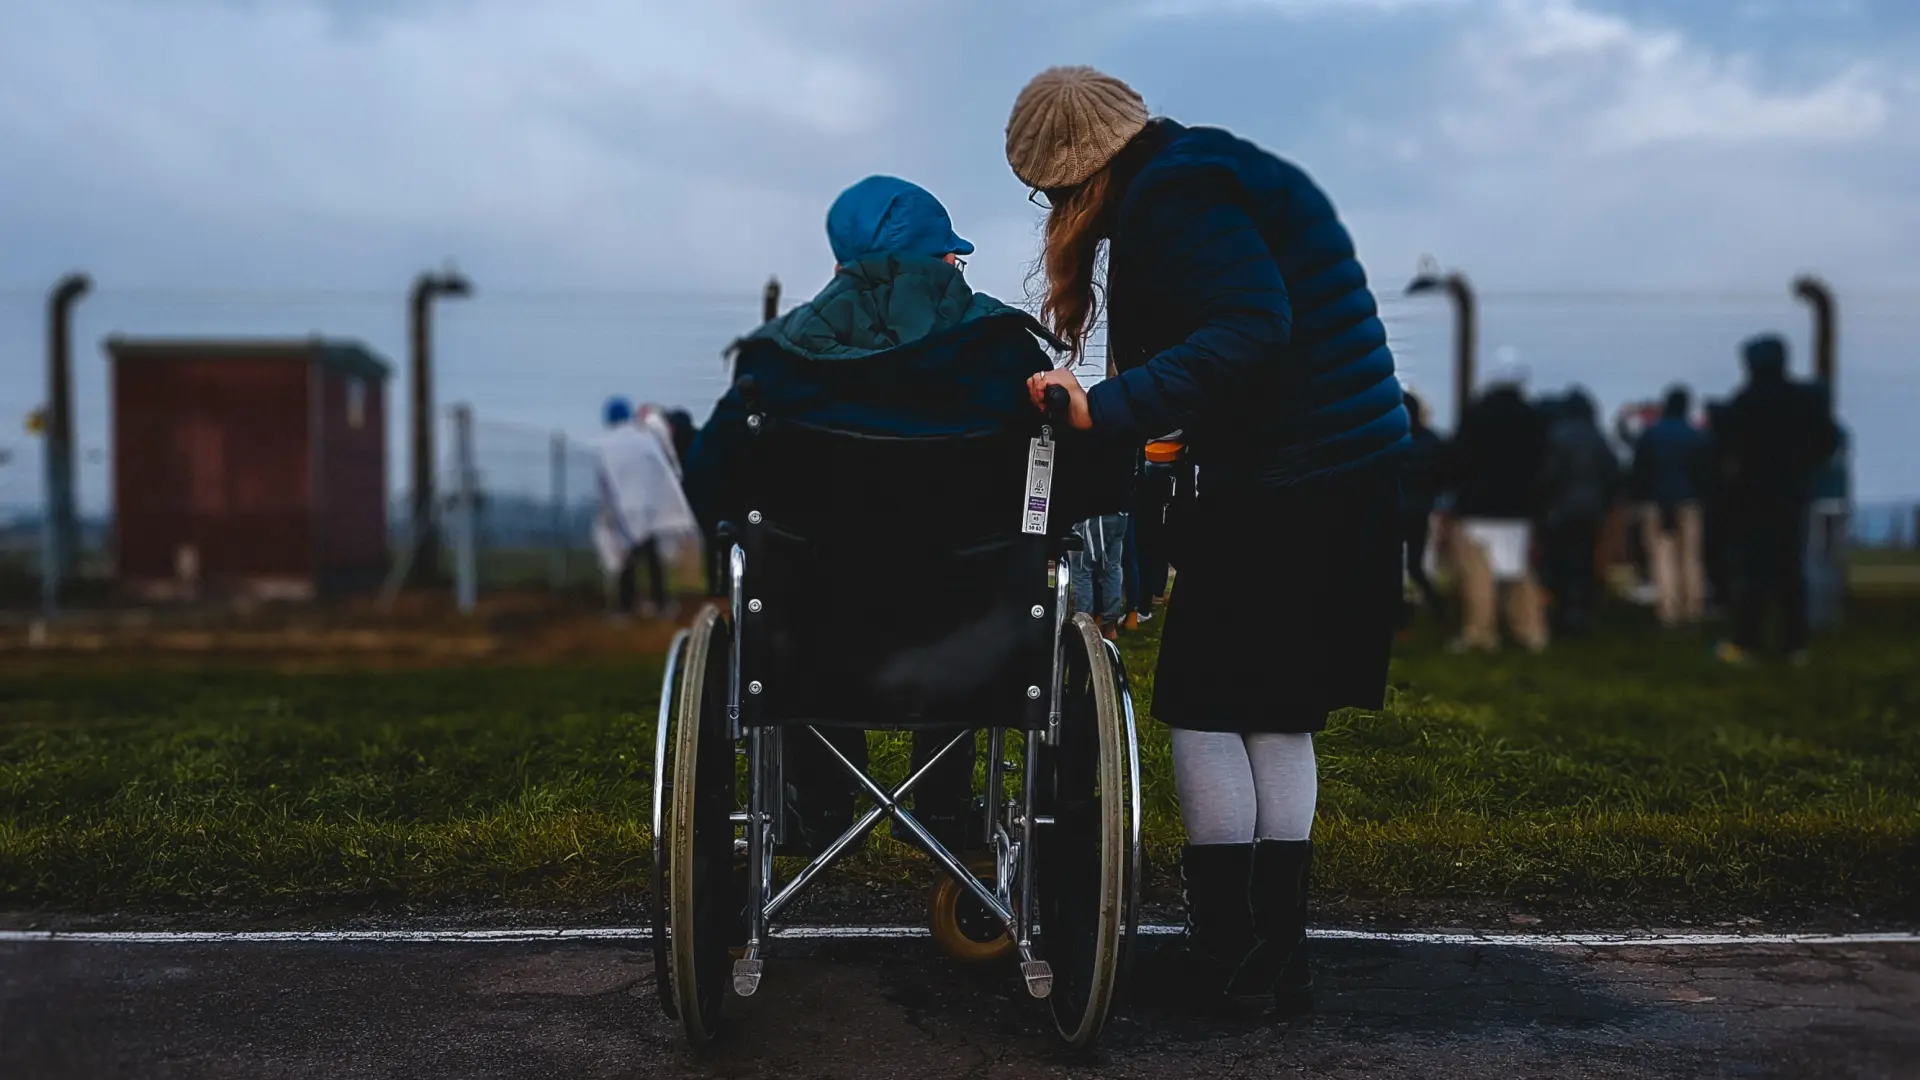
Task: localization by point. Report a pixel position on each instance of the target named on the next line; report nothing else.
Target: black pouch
(1180, 508)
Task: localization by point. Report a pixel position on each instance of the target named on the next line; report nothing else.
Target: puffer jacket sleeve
(1208, 258)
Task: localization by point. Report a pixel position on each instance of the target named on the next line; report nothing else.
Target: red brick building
(252, 468)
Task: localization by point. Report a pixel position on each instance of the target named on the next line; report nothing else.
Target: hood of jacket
(885, 302)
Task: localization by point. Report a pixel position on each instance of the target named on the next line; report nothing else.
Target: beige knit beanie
(1068, 123)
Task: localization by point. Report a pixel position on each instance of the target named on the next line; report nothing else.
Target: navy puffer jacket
(1239, 314)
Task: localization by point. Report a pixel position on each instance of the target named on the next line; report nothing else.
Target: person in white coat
(644, 513)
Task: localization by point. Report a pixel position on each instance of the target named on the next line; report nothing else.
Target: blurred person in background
(680, 422)
(1422, 475)
(1629, 423)
(1498, 453)
(1670, 461)
(1105, 579)
(1099, 570)
(1240, 316)
(1579, 481)
(642, 508)
(656, 422)
(1778, 435)
(1828, 526)
(1130, 578)
(1719, 534)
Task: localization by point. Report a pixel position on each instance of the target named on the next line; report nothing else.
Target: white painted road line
(894, 933)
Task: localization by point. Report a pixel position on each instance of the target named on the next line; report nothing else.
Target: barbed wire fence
(536, 361)
(23, 533)
(515, 509)
(537, 496)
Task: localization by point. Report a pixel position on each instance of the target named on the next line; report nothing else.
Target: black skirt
(1284, 605)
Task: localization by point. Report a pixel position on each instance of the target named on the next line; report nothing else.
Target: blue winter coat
(1499, 452)
(1239, 314)
(894, 345)
(1670, 460)
(1777, 436)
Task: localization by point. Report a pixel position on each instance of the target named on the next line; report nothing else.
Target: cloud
(516, 121)
(647, 143)
(1552, 144)
(1548, 72)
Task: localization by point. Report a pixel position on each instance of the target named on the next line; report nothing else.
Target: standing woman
(1239, 316)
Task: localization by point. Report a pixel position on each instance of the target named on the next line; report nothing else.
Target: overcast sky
(1632, 184)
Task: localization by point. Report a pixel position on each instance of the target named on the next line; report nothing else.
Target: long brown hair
(1080, 221)
(1076, 226)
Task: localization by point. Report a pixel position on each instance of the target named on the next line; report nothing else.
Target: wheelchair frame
(1013, 827)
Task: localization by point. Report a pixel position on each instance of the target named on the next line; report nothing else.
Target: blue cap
(619, 411)
(886, 215)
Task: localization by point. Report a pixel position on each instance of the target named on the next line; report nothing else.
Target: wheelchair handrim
(682, 906)
(1079, 1031)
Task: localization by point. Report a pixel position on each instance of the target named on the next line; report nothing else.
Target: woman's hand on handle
(1077, 414)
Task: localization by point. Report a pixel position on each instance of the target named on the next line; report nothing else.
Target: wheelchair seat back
(889, 583)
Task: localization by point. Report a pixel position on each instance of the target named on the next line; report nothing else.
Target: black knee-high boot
(1278, 894)
(1215, 880)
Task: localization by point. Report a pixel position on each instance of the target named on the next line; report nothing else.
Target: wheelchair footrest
(1039, 977)
(746, 977)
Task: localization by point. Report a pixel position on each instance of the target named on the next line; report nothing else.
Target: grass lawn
(1628, 776)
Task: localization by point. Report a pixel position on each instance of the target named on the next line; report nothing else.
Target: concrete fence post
(59, 555)
(466, 498)
(559, 491)
(1466, 323)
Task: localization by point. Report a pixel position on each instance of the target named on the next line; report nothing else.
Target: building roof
(351, 357)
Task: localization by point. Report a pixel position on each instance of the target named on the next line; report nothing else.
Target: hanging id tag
(1039, 486)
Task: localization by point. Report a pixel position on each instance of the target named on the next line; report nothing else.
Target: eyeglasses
(1040, 199)
(959, 263)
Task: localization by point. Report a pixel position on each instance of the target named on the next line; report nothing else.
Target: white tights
(1236, 788)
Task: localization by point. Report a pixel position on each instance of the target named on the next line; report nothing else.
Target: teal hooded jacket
(894, 345)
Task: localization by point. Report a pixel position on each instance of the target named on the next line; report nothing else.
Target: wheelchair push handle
(1059, 406)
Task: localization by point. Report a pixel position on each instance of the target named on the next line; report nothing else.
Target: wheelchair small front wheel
(962, 927)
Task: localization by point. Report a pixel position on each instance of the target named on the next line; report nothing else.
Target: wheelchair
(891, 583)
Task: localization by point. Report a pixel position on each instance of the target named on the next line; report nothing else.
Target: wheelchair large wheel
(1085, 861)
(704, 898)
(658, 909)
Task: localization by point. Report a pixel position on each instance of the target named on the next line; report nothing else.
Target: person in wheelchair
(895, 344)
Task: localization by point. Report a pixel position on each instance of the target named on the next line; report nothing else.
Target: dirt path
(890, 1009)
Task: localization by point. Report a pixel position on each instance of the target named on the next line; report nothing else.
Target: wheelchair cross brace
(887, 805)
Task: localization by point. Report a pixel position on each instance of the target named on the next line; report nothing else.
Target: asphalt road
(894, 1009)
